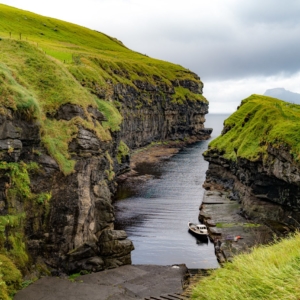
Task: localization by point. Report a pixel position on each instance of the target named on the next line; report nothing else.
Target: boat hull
(199, 236)
(193, 230)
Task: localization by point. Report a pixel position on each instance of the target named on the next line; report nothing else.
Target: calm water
(155, 213)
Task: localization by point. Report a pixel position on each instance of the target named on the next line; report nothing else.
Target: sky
(238, 48)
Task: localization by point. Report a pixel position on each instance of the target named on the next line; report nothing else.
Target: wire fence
(72, 58)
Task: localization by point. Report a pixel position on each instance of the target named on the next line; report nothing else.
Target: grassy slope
(269, 272)
(260, 121)
(52, 60)
(99, 56)
(45, 63)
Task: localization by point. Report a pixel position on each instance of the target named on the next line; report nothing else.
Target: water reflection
(201, 242)
(155, 213)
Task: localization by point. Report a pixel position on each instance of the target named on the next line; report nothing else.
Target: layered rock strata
(71, 227)
(256, 161)
(150, 113)
(268, 189)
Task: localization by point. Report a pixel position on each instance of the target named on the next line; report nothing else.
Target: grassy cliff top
(69, 42)
(46, 63)
(260, 121)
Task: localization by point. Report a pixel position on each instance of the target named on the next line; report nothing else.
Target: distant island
(283, 94)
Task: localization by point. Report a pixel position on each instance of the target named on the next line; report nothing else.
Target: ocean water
(215, 121)
(155, 213)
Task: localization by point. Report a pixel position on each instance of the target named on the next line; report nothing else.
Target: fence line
(73, 59)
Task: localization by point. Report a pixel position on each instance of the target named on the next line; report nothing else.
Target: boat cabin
(201, 227)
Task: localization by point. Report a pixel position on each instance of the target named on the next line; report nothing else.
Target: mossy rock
(11, 277)
(70, 64)
(123, 151)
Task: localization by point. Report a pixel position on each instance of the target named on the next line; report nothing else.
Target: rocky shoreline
(155, 153)
(223, 217)
(242, 192)
(229, 229)
(220, 211)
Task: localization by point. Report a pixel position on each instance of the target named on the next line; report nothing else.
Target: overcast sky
(238, 48)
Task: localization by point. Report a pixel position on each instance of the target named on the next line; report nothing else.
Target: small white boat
(199, 230)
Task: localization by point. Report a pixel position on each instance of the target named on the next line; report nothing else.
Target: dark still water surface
(155, 213)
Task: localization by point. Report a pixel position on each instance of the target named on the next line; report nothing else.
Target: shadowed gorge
(73, 102)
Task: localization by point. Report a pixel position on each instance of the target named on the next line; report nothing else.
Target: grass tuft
(269, 272)
(10, 278)
(57, 144)
(123, 151)
(111, 113)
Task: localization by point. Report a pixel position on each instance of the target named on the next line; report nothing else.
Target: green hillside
(93, 55)
(259, 122)
(46, 63)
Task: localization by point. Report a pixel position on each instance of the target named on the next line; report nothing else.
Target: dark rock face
(69, 111)
(67, 234)
(151, 115)
(268, 189)
(74, 230)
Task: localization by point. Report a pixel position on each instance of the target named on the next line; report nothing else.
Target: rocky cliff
(150, 114)
(256, 159)
(66, 130)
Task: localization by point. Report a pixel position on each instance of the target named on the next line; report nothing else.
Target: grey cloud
(232, 58)
(272, 12)
(223, 50)
(257, 57)
(219, 40)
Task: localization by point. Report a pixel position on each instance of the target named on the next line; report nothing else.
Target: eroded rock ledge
(257, 201)
(63, 222)
(268, 189)
(66, 224)
(255, 164)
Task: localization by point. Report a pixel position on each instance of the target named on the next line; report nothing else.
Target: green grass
(230, 225)
(74, 276)
(260, 122)
(64, 41)
(182, 95)
(57, 145)
(123, 151)
(54, 62)
(269, 272)
(111, 113)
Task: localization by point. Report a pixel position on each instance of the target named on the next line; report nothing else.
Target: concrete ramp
(123, 283)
